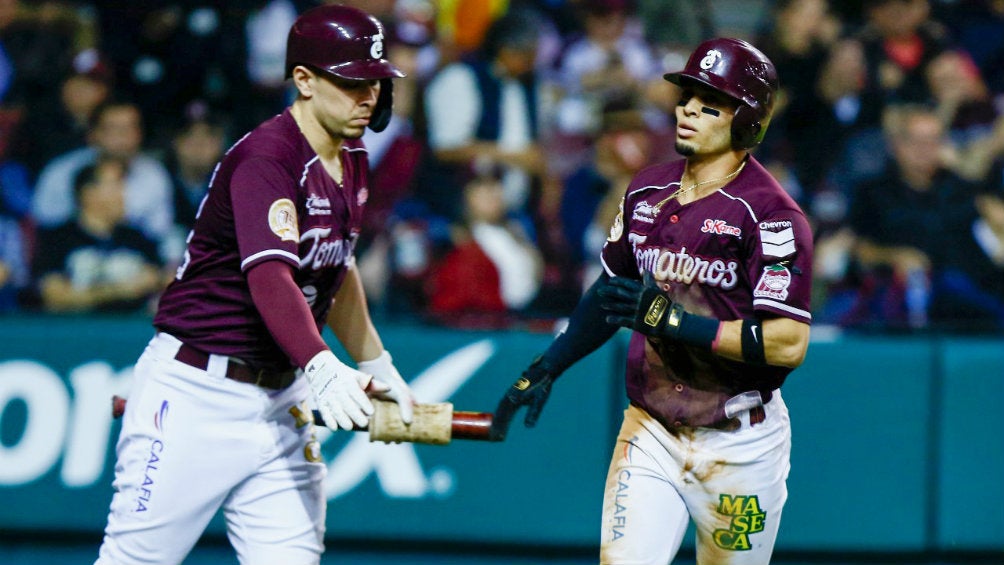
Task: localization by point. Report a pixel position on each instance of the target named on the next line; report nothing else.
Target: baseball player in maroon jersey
(709, 263)
(218, 416)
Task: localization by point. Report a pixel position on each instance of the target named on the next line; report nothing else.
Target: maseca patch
(282, 220)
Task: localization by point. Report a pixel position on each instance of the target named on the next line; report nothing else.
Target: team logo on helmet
(709, 60)
(376, 50)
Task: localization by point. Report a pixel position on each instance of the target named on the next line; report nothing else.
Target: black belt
(236, 370)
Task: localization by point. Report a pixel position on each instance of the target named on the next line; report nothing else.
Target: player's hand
(532, 390)
(641, 306)
(340, 391)
(383, 371)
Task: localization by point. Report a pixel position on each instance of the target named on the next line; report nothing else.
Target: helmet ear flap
(747, 128)
(384, 106)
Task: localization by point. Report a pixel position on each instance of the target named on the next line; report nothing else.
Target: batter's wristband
(752, 340)
(692, 329)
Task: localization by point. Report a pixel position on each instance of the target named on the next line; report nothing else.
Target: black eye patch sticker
(710, 111)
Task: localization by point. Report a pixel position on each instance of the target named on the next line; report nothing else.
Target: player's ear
(303, 80)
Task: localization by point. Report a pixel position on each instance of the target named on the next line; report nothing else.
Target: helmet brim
(366, 70)
(713, 82)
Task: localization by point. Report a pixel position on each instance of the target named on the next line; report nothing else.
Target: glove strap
(542, 365)
(323, 364)
(378, 366)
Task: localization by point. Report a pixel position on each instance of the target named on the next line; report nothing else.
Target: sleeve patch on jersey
(617, 229)
(774, 283)
(282, 220)
(778, 244)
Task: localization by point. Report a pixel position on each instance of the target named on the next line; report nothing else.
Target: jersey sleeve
(616, 256)
(780, 266)
(263, 196)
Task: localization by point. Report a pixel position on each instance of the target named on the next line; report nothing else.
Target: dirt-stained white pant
(193, 442)
(731, 483)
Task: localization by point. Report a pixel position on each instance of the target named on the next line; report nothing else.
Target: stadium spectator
(673, 27)
(94, 262)
(591, 194)
(493, 270)
(885, 62)
(486, 110)
(265, 48)
(978, 27)
(115, 130)
(610, 61)
(975, 126)
(912, 248)
(798, 37)
(166, 55)
(48, 134)
(196, 147)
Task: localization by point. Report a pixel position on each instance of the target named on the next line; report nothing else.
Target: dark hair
(88, 174)
(198, 113)
(99, 112)
(520, 28)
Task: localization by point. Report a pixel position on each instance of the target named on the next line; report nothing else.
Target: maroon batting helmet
(347, 43)
(741, 71)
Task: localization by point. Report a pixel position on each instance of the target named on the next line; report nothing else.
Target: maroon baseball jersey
(270, 199)
(741, 252)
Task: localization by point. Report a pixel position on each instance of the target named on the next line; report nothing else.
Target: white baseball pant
(731, 483)
(192, 442)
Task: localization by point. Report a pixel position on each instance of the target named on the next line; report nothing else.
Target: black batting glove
(641, 306)
(532, 390)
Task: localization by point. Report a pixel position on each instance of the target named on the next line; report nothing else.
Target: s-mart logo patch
(719, 227)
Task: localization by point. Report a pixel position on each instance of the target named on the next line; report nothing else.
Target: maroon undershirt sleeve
(285, 312)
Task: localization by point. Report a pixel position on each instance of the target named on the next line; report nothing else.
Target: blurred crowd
(513, 138)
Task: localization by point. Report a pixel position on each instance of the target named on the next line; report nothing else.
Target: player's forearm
(59, 295)
(529, 158)
(785, 341)
(349, 320)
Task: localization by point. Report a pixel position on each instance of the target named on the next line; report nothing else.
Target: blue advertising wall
(897, 443)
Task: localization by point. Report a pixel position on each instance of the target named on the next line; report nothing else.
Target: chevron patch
(777, 244)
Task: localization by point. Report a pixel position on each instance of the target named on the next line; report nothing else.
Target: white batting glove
(340, 391)
(382, 369)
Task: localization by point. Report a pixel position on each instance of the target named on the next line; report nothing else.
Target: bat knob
(118, 406)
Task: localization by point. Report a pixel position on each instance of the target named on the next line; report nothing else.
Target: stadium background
(897, 454)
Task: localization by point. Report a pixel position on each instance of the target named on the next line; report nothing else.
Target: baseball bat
(432, 423)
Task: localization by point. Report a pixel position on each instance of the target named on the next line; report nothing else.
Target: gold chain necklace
(681, 191)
